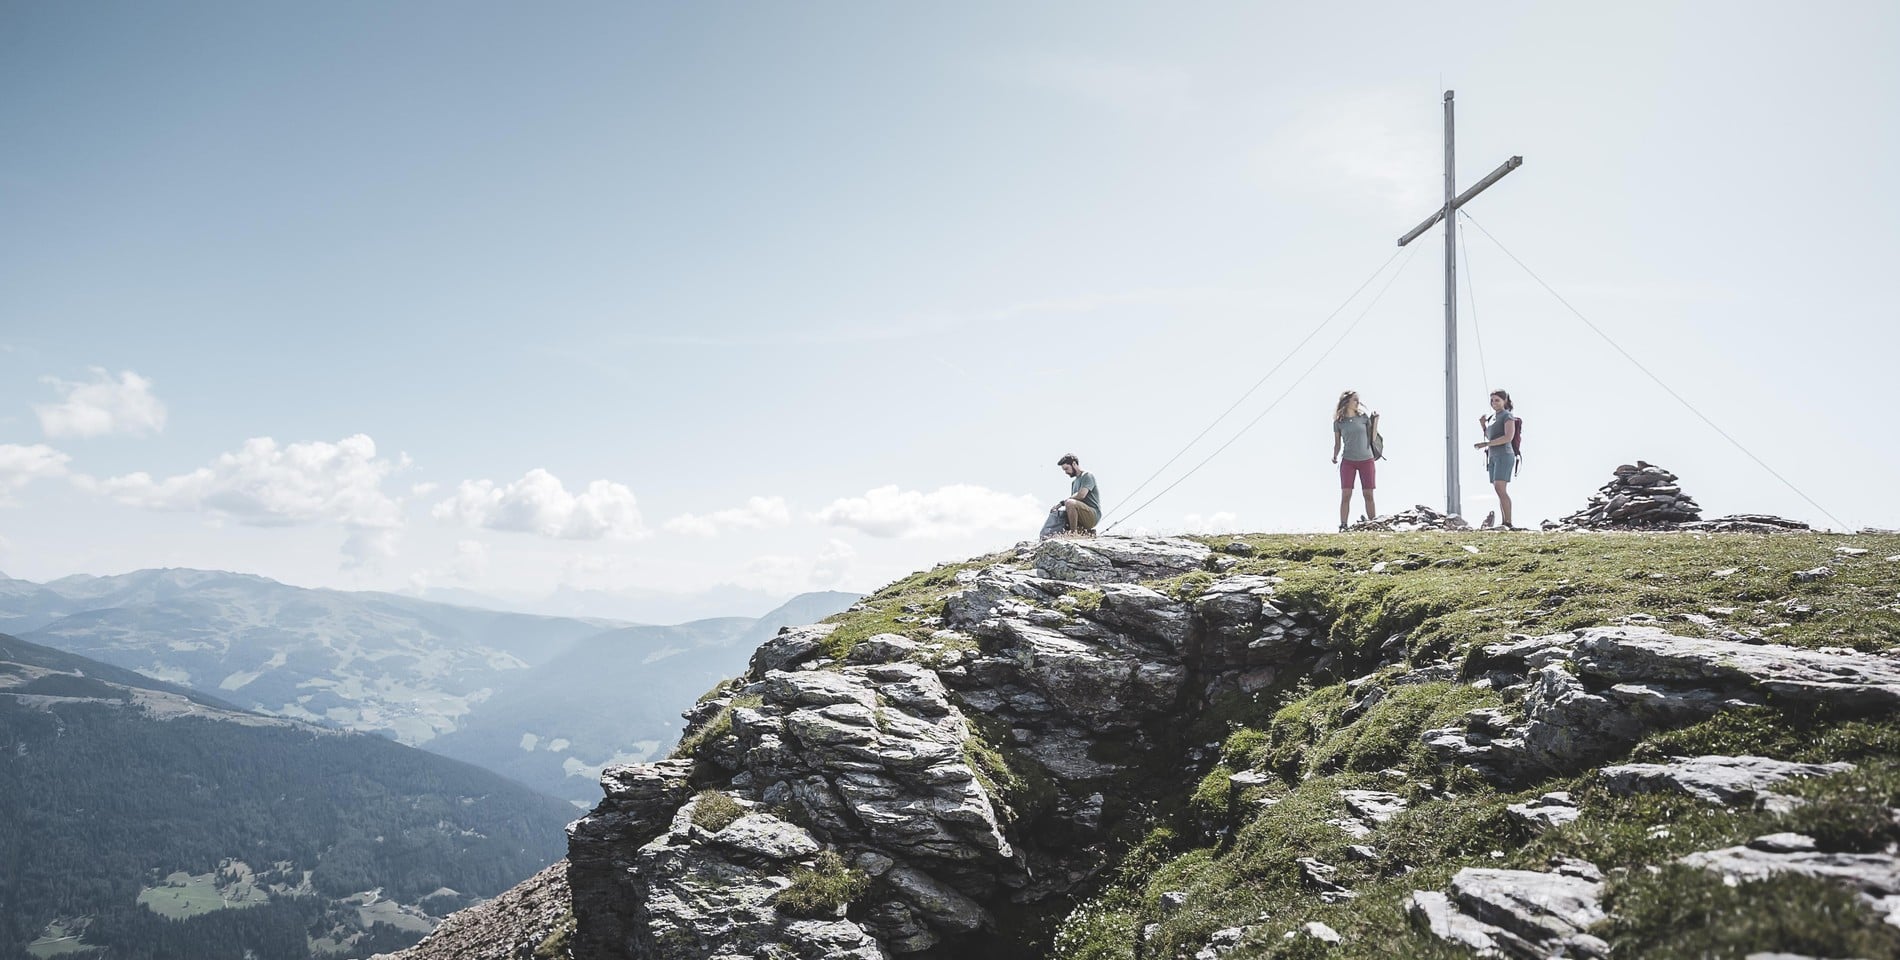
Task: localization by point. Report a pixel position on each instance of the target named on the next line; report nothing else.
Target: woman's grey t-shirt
(1496, 432)
(1355, 434)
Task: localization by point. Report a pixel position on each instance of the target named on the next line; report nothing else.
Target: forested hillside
(169, 827)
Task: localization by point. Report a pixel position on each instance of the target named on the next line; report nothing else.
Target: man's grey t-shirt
(1082, 481)
(1355, 433)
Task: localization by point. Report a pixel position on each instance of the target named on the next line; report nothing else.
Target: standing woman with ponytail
(1500, 428)
(1353, 430)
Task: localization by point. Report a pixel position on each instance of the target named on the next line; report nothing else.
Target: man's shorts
(1368, 474)
(1086, 516)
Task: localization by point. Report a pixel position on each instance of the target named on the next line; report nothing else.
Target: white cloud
(1222, 522)
(780, 574)
(954, 511)
(101, 406)
(21, 465)
(539, 503)
(366, 547)
(263, 484)
(758, 512)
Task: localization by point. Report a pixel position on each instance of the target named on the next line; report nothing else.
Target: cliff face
(1128, 747)
(961, 779)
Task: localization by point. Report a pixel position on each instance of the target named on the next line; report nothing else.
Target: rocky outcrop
(1118, 559)
(1586, 695)
(980, 769)
(1523, 914)
(1875, 876)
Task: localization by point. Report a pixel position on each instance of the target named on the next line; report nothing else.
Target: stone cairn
(1644, 496)
(1638, 497)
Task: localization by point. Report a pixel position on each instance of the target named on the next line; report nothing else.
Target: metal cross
(1452, 203)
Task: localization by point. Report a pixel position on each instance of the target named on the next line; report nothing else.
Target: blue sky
(837, 283)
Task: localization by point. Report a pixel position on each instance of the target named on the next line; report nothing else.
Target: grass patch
(713, 810)
(182, 896)
(717, 728)
(901, 607)
(558, 945)
(823, 888)
(1388, 734)
(1446, 598)
(1683, 913)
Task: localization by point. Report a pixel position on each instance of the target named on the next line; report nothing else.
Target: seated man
(1083, 508)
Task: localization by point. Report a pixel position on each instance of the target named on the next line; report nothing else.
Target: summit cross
(1453, 200)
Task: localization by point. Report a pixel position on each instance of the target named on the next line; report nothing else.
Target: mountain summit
(1368, 745)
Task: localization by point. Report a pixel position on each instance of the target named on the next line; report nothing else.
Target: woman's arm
(1335, 443)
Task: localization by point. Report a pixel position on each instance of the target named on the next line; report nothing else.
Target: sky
(514, 298)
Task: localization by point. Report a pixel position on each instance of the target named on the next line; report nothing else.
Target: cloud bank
(957, 510)
(758, 513)
(539, 503)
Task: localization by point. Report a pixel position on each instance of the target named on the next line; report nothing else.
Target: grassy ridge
(1233, 856)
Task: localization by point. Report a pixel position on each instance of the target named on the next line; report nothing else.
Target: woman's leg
(1504, 499)
(1345, 505)
(1368, 480)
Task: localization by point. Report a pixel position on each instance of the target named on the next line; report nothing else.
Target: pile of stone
(1641, 496)
(1420, 517)
(1747, 523)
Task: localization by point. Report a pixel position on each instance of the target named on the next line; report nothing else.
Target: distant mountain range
(547, 700)
(584, 702)
(159, 823)
(633, 606)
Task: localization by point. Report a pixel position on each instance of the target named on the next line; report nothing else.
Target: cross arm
(1476, 188)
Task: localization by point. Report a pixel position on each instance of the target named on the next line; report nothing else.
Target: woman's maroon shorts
(1368, 475)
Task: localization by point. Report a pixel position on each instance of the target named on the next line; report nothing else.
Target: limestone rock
(1548, 812)
(1515, 913)
(602, 846)
(790, 647)
(1315, 930)
(1119, 559)
(882, 648)
(1420, 517)
(1630, 680)
(1875, 876)
(1717, 779)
